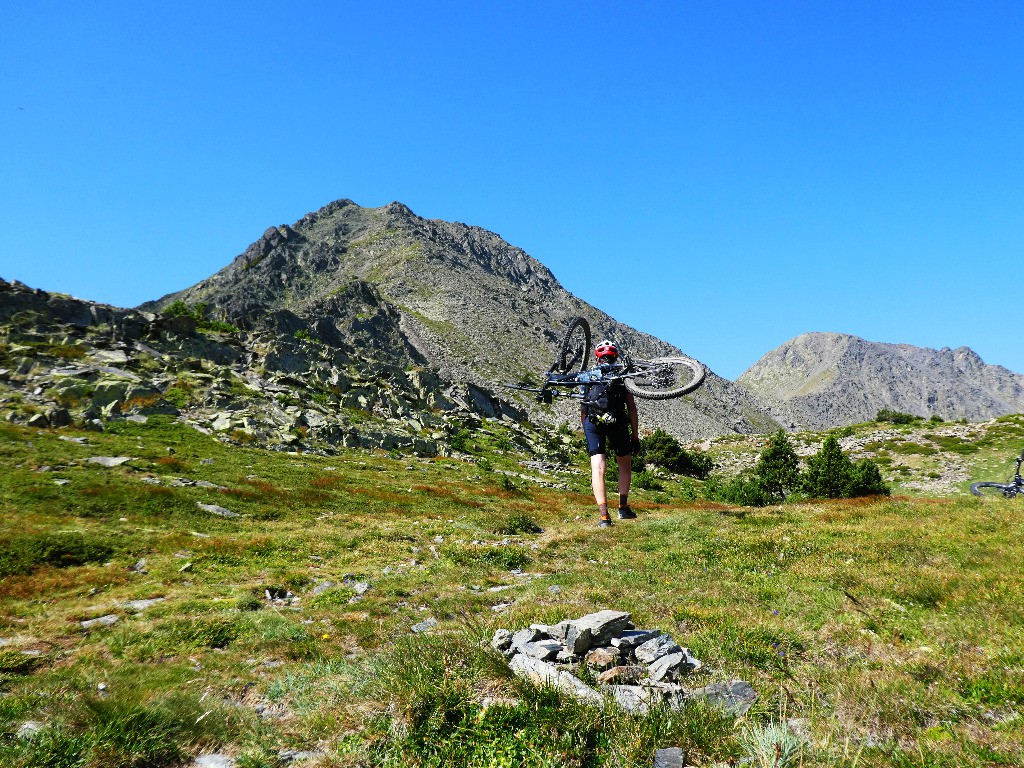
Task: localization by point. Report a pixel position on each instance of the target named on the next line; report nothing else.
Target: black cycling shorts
(599, 435)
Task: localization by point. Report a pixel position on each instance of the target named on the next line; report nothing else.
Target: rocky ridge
(66, 361)
(824, 380)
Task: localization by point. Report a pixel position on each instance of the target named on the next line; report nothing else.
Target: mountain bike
(659, 378)
(1009, 490)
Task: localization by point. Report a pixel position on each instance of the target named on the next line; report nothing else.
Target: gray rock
(673, 757)
(424, 626)
(734, 697)
(141, 605)
(502, 640)
(59, 417)
(109, 461)
(39, 421)
(542, 649)
(294, 755)
(635, 698)
(522, 637)
(603, 625)
(322, 587)
(629, 639)
(29, 729)
(217, 510)
(556, 631)
(102, 621)
(654, 649)
(542, 673)
(214, 761)
(666, 667)
(578, 639)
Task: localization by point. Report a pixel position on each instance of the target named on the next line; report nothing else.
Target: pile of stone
(637, 668)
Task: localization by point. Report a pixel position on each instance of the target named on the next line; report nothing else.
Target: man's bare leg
(598, 464)
(625, 479)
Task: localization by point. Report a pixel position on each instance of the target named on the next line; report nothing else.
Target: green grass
(892, 627)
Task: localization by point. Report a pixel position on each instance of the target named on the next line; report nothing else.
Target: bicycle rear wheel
(575, 352)
(668, 377)
(1009, 490)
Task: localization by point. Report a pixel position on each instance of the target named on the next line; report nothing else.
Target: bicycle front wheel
(575, 351)
(667, 377)
(994, 489)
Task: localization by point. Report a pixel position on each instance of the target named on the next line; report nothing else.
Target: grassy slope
(892, 626)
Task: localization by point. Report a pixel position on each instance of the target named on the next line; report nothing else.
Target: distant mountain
(454, 298)
(822, 380)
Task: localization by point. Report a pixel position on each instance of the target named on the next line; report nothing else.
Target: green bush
(508, 558)
(460, 441)
(23, 554)
(831, 474)
(121, 731)
(745, 490)
(179, 308)
(647, 481)
(663, 450)
(518, 523)
(866, 480)
(896, 417)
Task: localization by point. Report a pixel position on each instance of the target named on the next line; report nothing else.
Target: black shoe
(625, 513)
(604, 522)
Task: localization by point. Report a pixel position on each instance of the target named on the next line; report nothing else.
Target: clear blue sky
(725, 175)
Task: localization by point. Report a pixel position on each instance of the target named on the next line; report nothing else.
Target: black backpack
(604, 402)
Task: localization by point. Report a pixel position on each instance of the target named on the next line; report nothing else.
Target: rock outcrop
(66, 361)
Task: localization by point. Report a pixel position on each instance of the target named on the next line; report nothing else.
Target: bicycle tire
(574, 353)
(666, 384)
(1009, 490)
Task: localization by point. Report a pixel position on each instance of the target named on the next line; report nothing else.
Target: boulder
(654, 649)
(542, 673)
(603, 625)
(734, 697)
(502, 640)
(673, 757)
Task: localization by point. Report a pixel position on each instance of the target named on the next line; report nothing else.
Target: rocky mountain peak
(822, 380)
(446, 295)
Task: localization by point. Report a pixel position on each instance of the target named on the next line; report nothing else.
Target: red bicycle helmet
(606, 349)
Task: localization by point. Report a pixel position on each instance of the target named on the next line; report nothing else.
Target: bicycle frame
(610, 372)
(1017, 479)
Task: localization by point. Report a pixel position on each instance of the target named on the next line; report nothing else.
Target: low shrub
(121, 731)
(896, 417)
(518, 523)
(647, 481)
(662, 450)
(22, 554)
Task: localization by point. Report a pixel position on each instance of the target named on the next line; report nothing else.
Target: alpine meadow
(290, 516)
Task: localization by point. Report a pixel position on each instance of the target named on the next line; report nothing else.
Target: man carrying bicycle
(609, 416)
